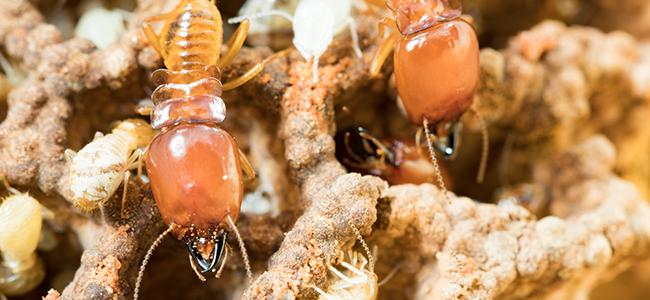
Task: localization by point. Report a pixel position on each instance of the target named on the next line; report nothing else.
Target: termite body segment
(20, 229)
(99, 168)
(195, 167)
(436, 61)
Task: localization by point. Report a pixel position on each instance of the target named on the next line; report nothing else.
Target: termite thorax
(187, 96)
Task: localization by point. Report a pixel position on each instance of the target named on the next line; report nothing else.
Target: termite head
(417, 15)
(206, 250)
(358, 149)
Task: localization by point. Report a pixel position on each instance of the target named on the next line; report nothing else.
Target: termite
(196, 169)
(99, 168)
(315, 22)
(112, 24)
(436, 68)
(21, 270)
(356, 281)
(396, 161)
(357, 278)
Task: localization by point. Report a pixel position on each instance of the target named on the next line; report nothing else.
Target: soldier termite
(436, 63)
(196, 168)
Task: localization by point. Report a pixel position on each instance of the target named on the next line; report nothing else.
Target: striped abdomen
(192, 40)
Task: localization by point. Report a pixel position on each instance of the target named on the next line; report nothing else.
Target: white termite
(356, 280)
(101, 25)
(20, 228)
(315, 22)
(102, 165)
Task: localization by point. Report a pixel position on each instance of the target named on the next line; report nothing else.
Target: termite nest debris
(562, 213)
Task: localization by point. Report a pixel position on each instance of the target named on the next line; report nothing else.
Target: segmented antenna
(145, 261)
(242, 248)
(434, 160)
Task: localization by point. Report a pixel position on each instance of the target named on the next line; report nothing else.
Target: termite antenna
(434, 160)
(390, 275)
(273, 12)
(371, 260)
(355, 37)
(242, 248)
(145, 261)
(486, 146)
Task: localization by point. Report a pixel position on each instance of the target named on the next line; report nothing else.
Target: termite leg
(134, 160)
(246, 166)
(486, 146)
(235, 43)
(355, 37)
(258, 68)
(127, 175)
(386, 47)
(97, 135)
(352, 268)
(323, 293)
(339, 274)
(152, 37)
(382, 150)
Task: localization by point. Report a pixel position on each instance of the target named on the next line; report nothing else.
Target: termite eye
(447, 139)
(206, 252)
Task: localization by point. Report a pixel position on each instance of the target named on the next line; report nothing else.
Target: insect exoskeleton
(396, 161)
(315, 23)
(99, 168)
(354, 279)
(436, 68)
(196, 168)
(20, 227)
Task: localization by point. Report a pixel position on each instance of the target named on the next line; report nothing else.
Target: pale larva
(315, 23)
(102, 165)
(101, 25)
(20, 227)
(356, 280)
